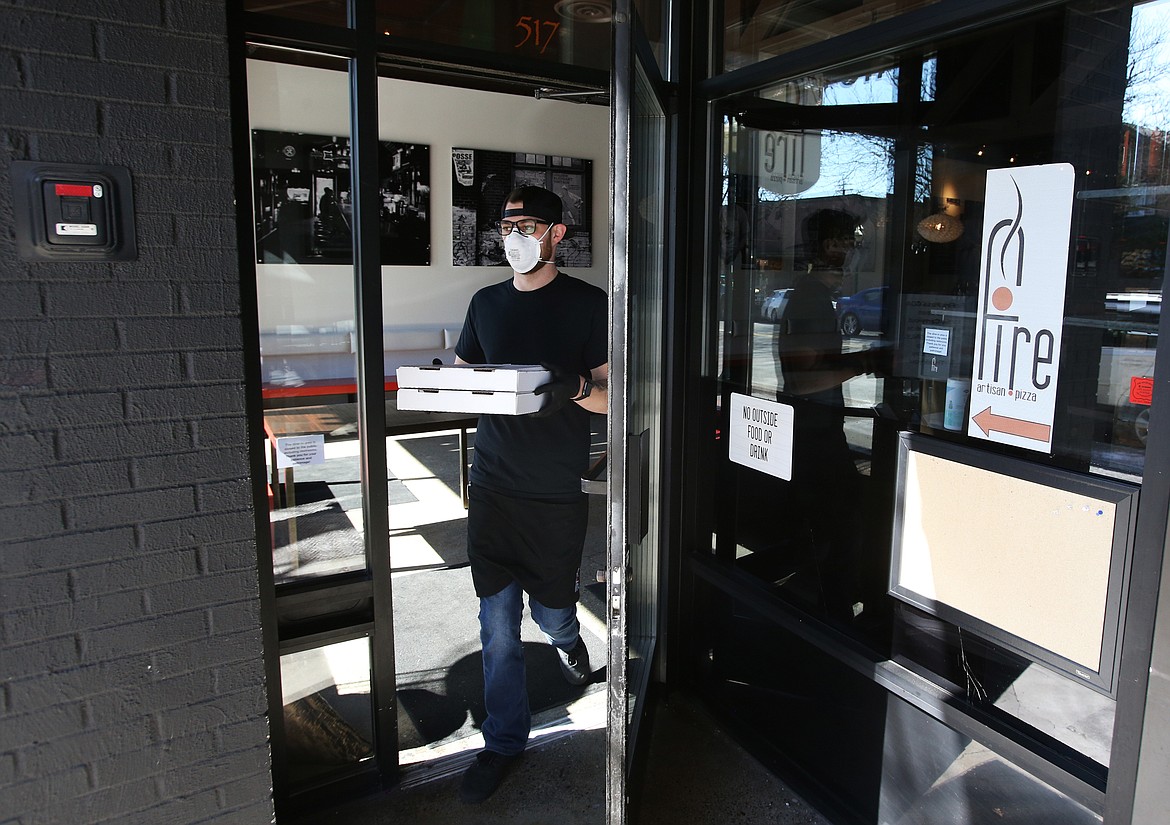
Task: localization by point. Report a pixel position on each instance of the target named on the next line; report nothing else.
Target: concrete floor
(695, 774)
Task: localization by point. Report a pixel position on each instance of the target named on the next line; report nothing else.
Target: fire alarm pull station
(73, 212)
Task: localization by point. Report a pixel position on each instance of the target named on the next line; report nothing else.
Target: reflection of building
(1144, 158)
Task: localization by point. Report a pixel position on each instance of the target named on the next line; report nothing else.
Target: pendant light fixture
(941, 227)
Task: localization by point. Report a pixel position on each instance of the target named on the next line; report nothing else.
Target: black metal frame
(253, 378)
(1110, 792)
(357, 45)
(626, 748)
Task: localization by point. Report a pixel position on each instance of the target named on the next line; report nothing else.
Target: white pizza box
(490, 377)
(469, 401)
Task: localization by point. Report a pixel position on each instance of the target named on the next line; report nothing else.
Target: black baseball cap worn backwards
(537, 203)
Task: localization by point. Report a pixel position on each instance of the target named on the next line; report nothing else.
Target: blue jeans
(505, 685)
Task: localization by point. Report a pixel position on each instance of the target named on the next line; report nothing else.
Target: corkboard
(1033, 560)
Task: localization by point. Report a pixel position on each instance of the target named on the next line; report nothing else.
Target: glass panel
(328, 715)
(846, 287)
(322, 12)
(567, 32)
(570, 32)
(755, 31)
(840, 88)
(645, 267)
(305, 293)
(813, 208)
(654, 15)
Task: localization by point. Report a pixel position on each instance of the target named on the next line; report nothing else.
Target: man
(808, 340)
(527, 515)
(828, 491)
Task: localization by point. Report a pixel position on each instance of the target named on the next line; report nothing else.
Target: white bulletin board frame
(1031, 557)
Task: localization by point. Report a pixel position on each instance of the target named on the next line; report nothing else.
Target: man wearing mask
(527, 515)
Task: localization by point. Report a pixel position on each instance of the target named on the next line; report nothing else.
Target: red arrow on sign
(988, 421)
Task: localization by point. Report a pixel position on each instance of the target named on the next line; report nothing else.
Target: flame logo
(1015, 232)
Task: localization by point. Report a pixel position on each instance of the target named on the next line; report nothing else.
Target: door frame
(630, 502)
(369, 53)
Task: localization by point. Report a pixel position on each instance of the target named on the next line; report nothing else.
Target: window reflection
(654, 17)
(753, 32)
(878, 85)
(323, 12)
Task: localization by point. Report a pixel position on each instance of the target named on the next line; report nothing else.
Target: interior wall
(316, 101)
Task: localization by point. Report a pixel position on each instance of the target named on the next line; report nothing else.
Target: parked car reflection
(861, 312)
(773, 306)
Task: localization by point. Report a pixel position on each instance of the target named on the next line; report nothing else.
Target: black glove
(563, 386)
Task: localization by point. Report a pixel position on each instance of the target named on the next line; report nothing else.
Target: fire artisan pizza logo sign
(1021, 305)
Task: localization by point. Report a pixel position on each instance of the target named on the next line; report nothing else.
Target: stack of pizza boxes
(504, 389)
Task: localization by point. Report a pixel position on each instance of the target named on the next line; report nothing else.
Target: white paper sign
(1020, 314)
(464, 162)
(299, 450)
(936, 341)
(760, 435)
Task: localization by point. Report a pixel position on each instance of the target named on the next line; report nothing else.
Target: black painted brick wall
(131, 677)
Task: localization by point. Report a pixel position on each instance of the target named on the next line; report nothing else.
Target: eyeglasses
(527, 226)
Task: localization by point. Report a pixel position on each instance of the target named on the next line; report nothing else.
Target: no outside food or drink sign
(760, 435)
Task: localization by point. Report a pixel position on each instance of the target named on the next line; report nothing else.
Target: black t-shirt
(810, 324)
(563, 324)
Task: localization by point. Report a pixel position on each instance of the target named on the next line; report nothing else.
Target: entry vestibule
(447, 156)
(886, 706)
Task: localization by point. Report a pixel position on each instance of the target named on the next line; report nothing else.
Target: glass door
(375, 185)
(636, 397)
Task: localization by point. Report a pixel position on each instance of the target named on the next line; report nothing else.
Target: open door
(639, 143)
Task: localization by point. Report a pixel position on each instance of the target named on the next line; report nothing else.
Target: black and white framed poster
(301, 190)
(481, 180)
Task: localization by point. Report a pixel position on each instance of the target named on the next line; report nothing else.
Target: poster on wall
(301, 191)
(481, 180)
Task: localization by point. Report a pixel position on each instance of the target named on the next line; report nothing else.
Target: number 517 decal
(539, 32)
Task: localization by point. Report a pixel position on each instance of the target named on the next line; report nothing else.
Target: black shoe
(575, 663)
(485, 775)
